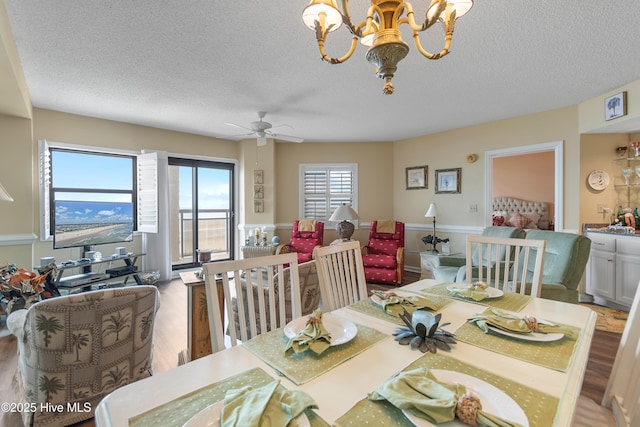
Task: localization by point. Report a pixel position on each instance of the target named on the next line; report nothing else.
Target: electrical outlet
(473, 208)
(601, 207)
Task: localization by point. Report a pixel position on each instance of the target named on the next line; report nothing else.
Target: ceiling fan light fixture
(380, 30)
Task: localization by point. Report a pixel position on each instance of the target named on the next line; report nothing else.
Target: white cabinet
(613, 270)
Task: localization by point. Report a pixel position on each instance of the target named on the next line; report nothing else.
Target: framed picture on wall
(615, 106)
(258, 191)
(448, 181)
(258, 176)
(258, 206)
(417, 177)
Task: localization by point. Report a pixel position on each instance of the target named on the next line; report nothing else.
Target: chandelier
(380, 30)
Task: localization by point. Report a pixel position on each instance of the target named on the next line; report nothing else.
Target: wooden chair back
(511, 265)
(341, 275)
(261, 311)
(622, 394)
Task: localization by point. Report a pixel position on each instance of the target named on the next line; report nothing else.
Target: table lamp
(343, 214)
(433, 212)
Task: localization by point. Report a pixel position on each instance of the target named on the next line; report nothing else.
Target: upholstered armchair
(75, 349)
(305, 236)
(453, 268)
(565, 261)
(383, 256)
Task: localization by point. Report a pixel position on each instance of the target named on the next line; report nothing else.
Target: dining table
(543, 378)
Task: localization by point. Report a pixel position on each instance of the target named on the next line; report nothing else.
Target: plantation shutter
(44, 174)
(147, 176)
(324, 187)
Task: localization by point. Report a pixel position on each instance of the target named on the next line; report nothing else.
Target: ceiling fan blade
(286, 137)
(240, 126)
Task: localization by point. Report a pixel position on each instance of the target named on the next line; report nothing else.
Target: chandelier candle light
(380, 31)
(344, 213)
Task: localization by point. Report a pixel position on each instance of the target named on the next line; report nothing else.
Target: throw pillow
(533, 220)
(519, 221)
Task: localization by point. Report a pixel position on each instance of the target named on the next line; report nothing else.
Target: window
(75, 173)
(324, 187)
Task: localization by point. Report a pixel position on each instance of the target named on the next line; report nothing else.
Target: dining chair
(341, 275)
(621, 401)
(511, 265)
(261, 311)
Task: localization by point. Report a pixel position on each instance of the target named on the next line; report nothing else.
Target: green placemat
(180, 410)
(555, 354)
(303, 367)
(367, 307)
(509, 301)
(540, 408)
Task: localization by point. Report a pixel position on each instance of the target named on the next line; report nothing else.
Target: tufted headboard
(512, 205)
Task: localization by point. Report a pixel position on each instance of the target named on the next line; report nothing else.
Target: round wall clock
(598, 180)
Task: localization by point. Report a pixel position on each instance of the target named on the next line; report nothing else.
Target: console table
(88, 277)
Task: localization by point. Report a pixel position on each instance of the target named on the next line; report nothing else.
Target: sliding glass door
(202, 211)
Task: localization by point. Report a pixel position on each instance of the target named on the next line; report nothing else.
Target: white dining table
(339, 389)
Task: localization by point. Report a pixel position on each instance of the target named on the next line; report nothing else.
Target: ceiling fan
(262, 130)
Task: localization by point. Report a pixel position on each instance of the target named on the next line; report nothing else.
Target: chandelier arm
(442, 4)
(445, 50)
(321, 37)
(356, 30)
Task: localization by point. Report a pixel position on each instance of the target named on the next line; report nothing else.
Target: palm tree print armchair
(75, 349)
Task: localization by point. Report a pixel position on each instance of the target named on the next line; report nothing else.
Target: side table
(198, 332)
(429, 261)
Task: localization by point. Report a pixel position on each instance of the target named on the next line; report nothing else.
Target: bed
(530, 215)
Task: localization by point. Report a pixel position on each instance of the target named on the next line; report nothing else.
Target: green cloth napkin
(476, 293)
(395, 304)
(417, 391)
(508, 322)
(264, 406)
(314, 336)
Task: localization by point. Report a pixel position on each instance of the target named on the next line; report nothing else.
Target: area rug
(609, 319)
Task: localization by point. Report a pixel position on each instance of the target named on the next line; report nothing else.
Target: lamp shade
(312, 12)
(432, 211)
(343, 213)
(4, 195)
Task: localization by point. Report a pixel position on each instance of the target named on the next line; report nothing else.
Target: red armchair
(305, 236)
(383, 256)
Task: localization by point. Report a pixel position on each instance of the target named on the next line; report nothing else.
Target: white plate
(341, 330)
(491, 292)
(210, 417)
(534, 336)
(494, 401)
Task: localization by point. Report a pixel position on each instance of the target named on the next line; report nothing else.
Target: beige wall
(450, 150)
(526, 176)
(598, 152)
(376, 180)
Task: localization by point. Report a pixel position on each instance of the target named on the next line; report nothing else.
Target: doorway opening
(558, 168)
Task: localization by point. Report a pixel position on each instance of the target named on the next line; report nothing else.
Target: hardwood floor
(170, 337)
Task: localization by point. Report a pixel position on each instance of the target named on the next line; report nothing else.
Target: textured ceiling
(193, 65)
